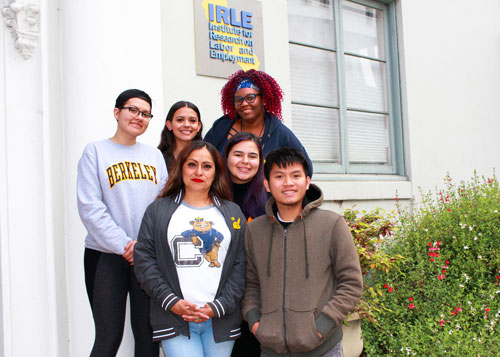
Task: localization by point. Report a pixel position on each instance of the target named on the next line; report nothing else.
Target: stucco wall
(106, 47)
(451, 88)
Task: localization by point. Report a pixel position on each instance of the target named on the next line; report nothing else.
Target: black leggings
(109, 278)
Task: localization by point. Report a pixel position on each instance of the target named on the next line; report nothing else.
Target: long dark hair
(219, 187)
(256, 196)
(167, 140)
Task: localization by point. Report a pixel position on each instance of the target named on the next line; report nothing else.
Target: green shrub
(371, 231)
(444, 298)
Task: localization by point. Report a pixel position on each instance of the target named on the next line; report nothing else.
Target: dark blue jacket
(276, 135)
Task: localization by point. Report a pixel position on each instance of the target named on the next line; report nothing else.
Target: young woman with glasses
(251, 102)
(117, 179)
(182, 125)
(190, 258)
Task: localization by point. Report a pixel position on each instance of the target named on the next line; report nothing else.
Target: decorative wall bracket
(23, 20)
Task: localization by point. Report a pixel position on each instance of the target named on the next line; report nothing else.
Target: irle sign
(228, 36)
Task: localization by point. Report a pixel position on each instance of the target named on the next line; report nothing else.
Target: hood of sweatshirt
(312, 199)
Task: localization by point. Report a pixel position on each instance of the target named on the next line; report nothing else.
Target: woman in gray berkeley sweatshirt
(117, 179)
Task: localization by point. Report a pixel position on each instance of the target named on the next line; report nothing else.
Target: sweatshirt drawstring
(305, 247)
(270, 248)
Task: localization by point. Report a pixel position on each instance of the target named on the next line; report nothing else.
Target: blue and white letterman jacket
(156, 272)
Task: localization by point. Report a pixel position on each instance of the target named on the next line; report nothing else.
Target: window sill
(363, 187)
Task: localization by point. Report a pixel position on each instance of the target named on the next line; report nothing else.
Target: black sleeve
(146, 266)
(234, 287)
(209, 137)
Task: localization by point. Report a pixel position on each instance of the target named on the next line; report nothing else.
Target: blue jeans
(201, 343)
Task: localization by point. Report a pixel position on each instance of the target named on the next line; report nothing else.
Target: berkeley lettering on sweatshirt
(129, 170)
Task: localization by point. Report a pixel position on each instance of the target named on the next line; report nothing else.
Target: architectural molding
(23, 20)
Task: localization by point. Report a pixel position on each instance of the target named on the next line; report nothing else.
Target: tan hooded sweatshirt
(301, 280)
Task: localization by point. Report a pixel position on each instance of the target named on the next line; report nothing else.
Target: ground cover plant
(443, 298)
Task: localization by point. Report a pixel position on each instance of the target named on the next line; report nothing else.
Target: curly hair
(270, 91)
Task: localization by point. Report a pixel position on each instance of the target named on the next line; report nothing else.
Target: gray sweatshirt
(115, 185)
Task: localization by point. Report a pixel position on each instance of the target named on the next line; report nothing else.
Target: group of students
(203, 233)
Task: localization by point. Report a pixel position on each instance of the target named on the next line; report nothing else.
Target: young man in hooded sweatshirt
(303, 274)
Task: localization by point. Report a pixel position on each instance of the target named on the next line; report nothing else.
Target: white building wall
(28, 247)
(451, 87)
(89, 51)
(106, 47)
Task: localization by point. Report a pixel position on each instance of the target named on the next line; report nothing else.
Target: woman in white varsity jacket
(190, 258)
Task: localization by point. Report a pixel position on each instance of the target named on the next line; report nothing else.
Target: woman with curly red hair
(251, 102)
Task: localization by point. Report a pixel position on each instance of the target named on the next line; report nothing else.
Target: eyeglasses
(136, 113)
(249, 98)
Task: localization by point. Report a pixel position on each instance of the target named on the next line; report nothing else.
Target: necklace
(261, 128)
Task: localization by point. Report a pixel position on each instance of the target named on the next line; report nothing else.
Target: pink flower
(411, 306)
(458, 309)
(440, 277)
(390, 290)
(441, 322)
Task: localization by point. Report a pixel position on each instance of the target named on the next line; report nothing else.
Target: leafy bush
(444, 298)
(371, 231)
